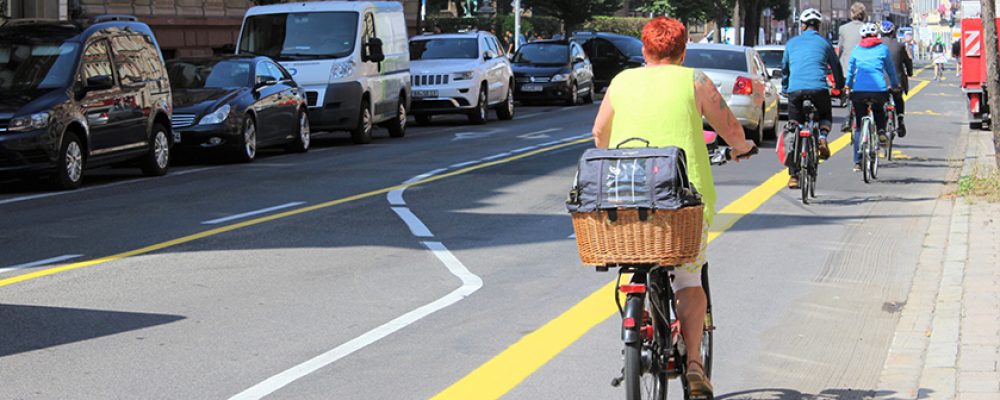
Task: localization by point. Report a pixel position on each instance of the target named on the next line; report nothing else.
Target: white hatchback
(460, 73)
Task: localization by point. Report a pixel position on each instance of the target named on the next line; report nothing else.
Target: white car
(771, 55)
(460, 73)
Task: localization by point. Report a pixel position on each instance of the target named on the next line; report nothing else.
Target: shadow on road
(26, 328)
(828, 394)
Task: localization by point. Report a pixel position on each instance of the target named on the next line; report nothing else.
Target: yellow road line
(257, 221)
(508, 369)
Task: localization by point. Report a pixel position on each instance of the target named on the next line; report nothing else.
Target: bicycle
(890, 127)
(654, 351)
(869, 147)
(806, 152)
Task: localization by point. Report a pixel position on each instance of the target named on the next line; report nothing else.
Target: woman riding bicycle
(867, 69)
(663, 103)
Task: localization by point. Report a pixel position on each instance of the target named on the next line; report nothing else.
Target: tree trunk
(737, 23)
(992, 69)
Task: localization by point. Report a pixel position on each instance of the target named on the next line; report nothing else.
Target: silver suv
(460, 73)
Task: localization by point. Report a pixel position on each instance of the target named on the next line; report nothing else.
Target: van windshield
(436, 49)
(36, 65)
(292, 36)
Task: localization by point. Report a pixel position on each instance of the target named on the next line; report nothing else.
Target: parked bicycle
(654, 351)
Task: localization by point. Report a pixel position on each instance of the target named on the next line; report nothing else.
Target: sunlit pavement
(410, 266)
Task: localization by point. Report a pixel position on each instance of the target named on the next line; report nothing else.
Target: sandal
(698, 383)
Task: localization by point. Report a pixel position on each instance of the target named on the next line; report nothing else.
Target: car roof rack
(113, 17)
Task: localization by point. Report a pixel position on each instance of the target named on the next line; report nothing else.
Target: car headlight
(560, 77)
(341, 70)
(216, 117)
(462, 76)
(30, 122)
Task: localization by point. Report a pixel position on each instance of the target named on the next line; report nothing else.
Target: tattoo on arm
(700, 77)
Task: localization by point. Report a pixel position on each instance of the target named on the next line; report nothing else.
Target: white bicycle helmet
(810, 15)
(868, 29)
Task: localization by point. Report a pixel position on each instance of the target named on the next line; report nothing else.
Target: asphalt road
(319, 276)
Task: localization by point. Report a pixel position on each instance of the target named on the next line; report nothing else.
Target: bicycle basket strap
(653, 178)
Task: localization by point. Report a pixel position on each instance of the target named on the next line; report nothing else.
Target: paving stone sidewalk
(947, 341)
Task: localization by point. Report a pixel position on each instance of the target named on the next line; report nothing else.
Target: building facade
(182, 27)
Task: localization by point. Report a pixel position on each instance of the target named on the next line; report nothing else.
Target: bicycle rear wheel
(890, 131)
(642, 381)
(802, 152)
(813, 166)
(873, 159)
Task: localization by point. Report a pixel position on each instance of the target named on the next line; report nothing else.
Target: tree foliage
(573, 12)
(781, 9)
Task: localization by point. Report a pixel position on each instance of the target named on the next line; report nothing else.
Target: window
(36, 64)
(96, 61)
(489, 47)
(436, 49)
(263, 71)
(542, 53)
(772, 58)
(277, 72)
(134, 60)
(303, 35)
(605, 50)
(208, 74)
(496, 46)
(716, 59)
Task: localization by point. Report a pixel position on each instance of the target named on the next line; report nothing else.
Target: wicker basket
(666, 237)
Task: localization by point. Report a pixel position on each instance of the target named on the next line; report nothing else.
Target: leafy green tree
(686, 11)
(781, 9)
(573, 12)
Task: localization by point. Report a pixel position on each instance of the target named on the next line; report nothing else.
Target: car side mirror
(265, 81)
(578, 59)
(776, 74)
(488, 56)
(375, 51)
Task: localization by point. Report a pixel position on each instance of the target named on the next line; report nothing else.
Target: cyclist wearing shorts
(804, 67)
(904, 69)
(664, 103)
(868, 67)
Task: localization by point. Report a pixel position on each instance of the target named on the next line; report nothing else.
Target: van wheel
(304, 136)
(69, 165)
(397, 126)
(246, 149)
(574, 97)
(362, 134)
(589, 98)
(478, 115)
(506, 110)
(157, 160)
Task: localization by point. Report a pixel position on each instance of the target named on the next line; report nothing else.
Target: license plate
(531, 88)
(425, 93)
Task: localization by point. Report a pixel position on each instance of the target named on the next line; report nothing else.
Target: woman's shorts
(689, 275)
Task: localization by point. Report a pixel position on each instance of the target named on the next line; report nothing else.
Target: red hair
(664, 38)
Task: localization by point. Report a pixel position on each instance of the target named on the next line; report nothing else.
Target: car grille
(312, 98)
(182, 120)
(429, 80)
(532, 79)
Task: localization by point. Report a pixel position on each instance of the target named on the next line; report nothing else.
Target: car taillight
(743, 86)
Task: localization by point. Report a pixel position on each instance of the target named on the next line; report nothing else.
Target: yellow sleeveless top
(658, 104)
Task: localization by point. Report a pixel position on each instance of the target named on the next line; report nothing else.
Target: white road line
(40, 263)
(425, 175)
(571, 236)
(463, 164)
(495, 156)
(395, 197)
(416, 226)
(539, 134)
(470, 284)
(86, 189)
(252, 213)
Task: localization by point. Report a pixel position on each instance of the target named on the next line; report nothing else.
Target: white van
(351, 57)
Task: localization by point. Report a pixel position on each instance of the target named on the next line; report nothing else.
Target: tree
(573, 12)
(992, 69)
(781, 9)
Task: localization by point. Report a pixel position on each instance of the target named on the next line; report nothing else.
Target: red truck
(974, 72)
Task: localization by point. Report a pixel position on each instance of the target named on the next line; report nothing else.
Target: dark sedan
(238, 104)
(553, 70)
(610, 53)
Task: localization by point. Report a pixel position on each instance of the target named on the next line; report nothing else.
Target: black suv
(74, 97)
(610, 53)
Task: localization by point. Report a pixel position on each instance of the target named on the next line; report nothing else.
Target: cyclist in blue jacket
(868, 67)
(807, 60)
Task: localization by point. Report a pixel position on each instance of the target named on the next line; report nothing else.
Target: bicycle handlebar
(725, 154)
